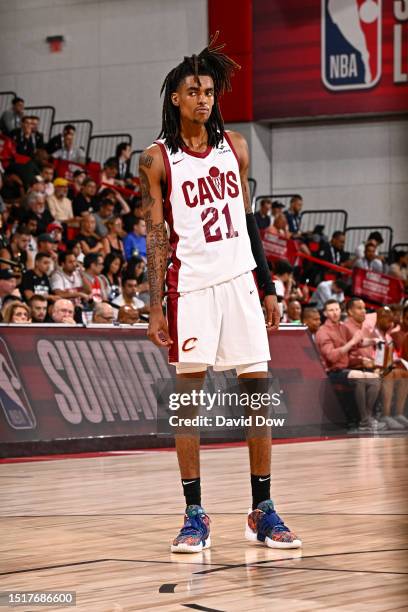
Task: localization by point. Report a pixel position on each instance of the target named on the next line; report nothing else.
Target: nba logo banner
(351, 43)
(13, 399)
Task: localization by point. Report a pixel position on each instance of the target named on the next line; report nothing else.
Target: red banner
(329, 57)
(278, 247)
(376, 287)
(66, 169)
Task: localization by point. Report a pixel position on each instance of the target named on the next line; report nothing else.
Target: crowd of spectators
(71, 251)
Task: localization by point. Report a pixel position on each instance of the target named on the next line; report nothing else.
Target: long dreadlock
(210, 62)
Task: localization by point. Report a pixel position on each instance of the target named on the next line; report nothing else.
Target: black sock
(192, 491)
(261, 489)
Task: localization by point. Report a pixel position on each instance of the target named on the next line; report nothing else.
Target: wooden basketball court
(102, 526)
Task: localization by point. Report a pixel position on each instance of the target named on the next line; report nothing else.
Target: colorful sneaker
(265, 526)
(194, 536)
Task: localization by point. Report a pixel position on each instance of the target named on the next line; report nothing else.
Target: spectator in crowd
(137, 268)
(277, 208)
(263, 215)
(38, 306)
(293, 214)
(47, 175)
(67, 281)
(128, 315)
(8, 284)
(76, 185)
(400, 334)
(283, 280)
(122, 156)
(18, 248)
(19, 176)
(112, 268)
(361, 355)
(397, 316)
(370, 261)
(112, 242)
(121, 206)
(60, 206)
(67, 149)
(89, 240)
(329, 290)
(105, 212)
(135, 241)
(56, 231)
(335, 341)
(294, 312)
(36, 204)
(37, 136)
(311, 318)
(128, 297)
(109, 173)
(16, 312)
(48, 245)
(333, 252)
(22, 136)
(279, 227)
(375, 238)
(103, 314)
(36, 281)
(395, 374)
(11, 119)
(94, 282)
(85, 202)
(63, 312)
(399, 269)
(31, 223)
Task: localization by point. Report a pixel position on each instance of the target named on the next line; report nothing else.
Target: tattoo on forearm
(247, 196)
(147, 200)
(157, 249)
(145, 160)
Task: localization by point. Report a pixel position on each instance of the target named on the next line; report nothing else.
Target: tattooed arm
(152, 174)
(262, 270)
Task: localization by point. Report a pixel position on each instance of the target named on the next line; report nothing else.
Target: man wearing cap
(59, 205)
(7, 284)
(263, 216)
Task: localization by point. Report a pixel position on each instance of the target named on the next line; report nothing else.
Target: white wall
(113, 64)
(359, 166)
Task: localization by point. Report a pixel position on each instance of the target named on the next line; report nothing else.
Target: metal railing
(356, 235)
(284, 198)
(103, 146)
(83, 132)
(46, 115)
(333, 220)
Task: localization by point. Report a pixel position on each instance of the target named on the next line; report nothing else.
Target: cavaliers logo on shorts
(189, 344)
(13, 398)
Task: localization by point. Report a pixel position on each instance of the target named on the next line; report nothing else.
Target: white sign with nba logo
(351, 43)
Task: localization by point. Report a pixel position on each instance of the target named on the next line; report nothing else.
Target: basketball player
(196, 179)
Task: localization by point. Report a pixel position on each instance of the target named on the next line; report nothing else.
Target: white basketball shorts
(221, 326)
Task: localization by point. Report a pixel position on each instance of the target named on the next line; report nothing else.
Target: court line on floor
(198, 607)
(212, 513)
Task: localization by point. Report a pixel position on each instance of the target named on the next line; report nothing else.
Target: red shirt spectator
(334, 339)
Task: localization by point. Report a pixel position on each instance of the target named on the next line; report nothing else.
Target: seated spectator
(60, 206)
(85, 202)
(48, 245)
(19, 176)
(89, 240)
(122, 156)
(263, 215)
(311, 318)
(370, 261)
(112, 242)
(279, 227)
(16, 312)
(8, 284)
(103, 314)
(76, 185)
(38, 137)
(400, 335)
(18, 248)
(63, 312)
(109, 173)
(333, 252)
(129, 315)
(335, 341)
(135, 241)
(11, 119)
(36, 281)
(396, 310)
(128, 297)
(137, 268)
(104, 214)
(277, 208)
(94, 282)
(56, 231)
(120, 204)
(47, 174)
(283, 280)
(375, 238)
(362, 354)
(22, 136)
(399, 269)
(67, 281)
(66, 146)
(112, 268)
(293, 215)
(329, 290)
(294, 312)
(38, 306)
(36, 204)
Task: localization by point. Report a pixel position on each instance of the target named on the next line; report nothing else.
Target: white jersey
(204, 209)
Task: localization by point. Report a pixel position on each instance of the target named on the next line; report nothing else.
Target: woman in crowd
(16, 312)
(112, 243)
(112, 271)
(90, 241)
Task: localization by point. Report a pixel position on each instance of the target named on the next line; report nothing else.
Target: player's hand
(158, 332)
(272, 311)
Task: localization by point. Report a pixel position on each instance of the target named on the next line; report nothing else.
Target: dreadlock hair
(210, 62)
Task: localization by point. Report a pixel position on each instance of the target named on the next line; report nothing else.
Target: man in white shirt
(328, 290)
(66, 282)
